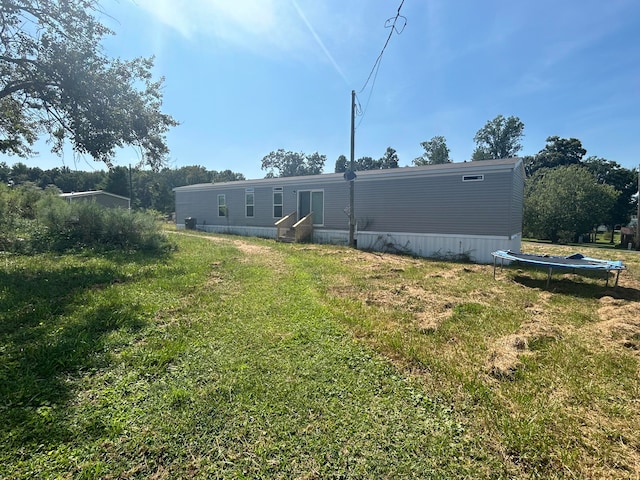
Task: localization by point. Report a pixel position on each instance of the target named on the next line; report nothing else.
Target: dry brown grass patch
(619, 323)
(267, 255)
(430, 321)
(506, 353)
(629, 282)
(253, 249)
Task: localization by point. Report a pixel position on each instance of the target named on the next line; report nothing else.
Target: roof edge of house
(441, 169)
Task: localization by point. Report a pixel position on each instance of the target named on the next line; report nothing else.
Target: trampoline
(576, 261)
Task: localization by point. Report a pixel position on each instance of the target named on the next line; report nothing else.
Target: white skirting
(447, 247)
(261, 232)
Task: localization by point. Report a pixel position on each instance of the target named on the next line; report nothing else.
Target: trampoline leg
(607, 283)
(617, 277)
(549, 277)
(494, 268)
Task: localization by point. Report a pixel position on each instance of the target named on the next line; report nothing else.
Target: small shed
(457, 210)
(106, 199)
(627, 236)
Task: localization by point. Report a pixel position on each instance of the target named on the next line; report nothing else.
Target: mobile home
(106, 199)
(454, 210)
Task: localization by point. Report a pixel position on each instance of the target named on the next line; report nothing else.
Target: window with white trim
(249, 202)
(277, 202)
(222, 205)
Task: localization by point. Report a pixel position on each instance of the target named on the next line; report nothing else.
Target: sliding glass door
(311, 201)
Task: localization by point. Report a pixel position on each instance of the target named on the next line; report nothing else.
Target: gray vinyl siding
(112, 201)
(203, 205)
(439, 204)
(424, 200)
(517, 202)
(196, 204)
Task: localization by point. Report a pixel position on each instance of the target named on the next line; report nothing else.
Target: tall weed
(34, 220)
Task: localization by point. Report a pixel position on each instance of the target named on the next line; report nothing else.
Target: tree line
(567, 194)
(499, 138)
(148, 189)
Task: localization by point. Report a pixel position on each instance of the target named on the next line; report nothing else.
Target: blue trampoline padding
(576, 260)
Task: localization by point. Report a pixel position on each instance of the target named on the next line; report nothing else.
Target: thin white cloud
(249, 24)
(265, 27)
(320, 42)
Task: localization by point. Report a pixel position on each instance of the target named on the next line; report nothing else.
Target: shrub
(85, 224)
(33, 220)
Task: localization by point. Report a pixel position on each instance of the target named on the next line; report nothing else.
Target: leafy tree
(117, 182)
(481, 153)
(292, 164)
(499, 138)
(192, 174)
(19, 173)
(146, 189)
(389, 159)
(608, 172)
(69, 180)
(4, 172)
(341, 164)
(366, 163)
(154, 190)
(557, 152)
(564, 202)
(435, 152)
(226, 176)
(56, 80)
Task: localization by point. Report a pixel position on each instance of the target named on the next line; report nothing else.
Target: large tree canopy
(556, 153)
(499, 138)
(55, 80)
(435, 152)
(292, 164)
(563, 202)
(390, 159)
(608, 172)
(341, 164)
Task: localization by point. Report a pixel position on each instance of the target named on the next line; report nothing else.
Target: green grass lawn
(242, 358)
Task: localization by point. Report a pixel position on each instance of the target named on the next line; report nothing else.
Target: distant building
(627, 235)
(106, 199)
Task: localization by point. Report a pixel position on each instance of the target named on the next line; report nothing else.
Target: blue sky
(246, 77)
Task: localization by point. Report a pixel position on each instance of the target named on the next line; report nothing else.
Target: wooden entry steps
(291, 231)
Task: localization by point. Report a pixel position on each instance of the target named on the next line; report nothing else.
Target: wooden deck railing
(304, 229)
(285, 224)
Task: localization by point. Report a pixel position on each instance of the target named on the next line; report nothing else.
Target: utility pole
(638, 214)
(130, 188)
(352, 213)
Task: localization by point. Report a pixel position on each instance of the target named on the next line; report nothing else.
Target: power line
(360, 111)
(393, 24)
(390, 23)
